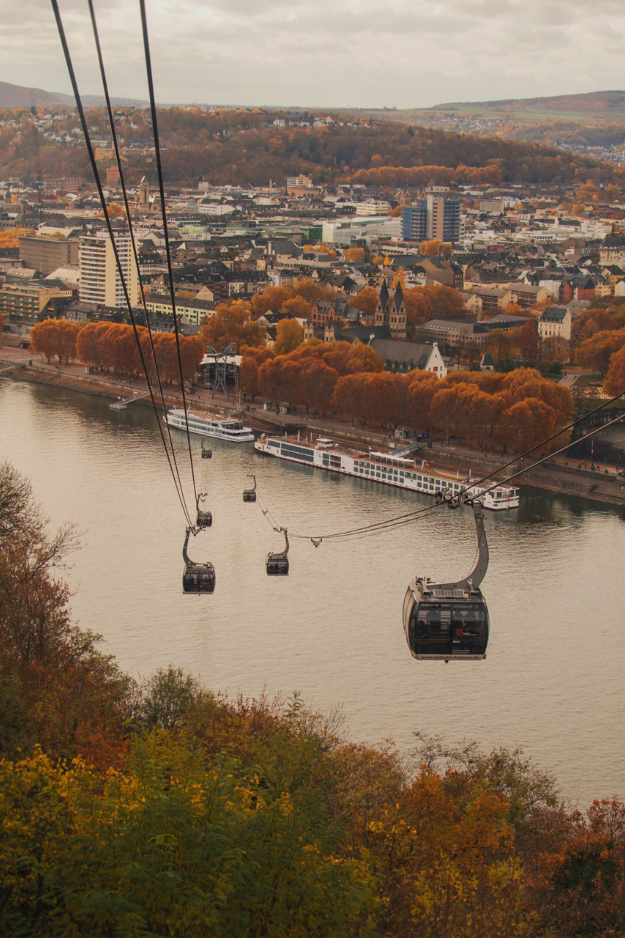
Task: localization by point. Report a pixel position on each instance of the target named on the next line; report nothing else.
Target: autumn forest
(244, 147)
(160, 807)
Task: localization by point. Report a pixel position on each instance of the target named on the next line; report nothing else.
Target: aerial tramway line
(197, 577)
(442, 621)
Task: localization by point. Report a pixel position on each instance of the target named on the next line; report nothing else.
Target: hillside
(15, 96)
(578, 121)
(246, 147)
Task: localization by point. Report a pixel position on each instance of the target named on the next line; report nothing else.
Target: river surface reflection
(552, 681)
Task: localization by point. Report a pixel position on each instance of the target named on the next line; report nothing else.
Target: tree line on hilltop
(246, 148)
(163, 808)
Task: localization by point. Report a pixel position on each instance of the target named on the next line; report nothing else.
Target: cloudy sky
(365, 53)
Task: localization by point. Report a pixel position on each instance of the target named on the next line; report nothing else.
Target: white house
(555, 322)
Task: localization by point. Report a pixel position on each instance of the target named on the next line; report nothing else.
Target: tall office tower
(414, 221)
(436, 216)
(99, 279)
(443, 212)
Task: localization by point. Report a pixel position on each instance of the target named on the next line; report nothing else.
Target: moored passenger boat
(389, 468)
(224, 428)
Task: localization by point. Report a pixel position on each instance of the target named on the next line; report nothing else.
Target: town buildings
(46, 254)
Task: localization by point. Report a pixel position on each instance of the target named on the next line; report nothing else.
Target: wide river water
(553, 679)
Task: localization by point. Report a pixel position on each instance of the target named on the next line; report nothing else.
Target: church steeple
(381, 312)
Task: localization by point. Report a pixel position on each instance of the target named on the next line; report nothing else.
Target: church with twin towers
(391, 311)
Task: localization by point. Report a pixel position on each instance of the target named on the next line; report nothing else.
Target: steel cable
(159, 170)
(122, 180)
(94, 167)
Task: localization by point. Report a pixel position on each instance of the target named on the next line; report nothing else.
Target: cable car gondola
(206, 453)
(197, 577)
(278, 563)
(249, 495)
(449, 621)
(204, 519)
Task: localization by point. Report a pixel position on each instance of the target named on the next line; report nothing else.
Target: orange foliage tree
(355, 255)
(433, 302)
(366, 300)
(596, 351)
(615, 378)
(308, 289)
(434, 247)
(55, 337)
(271, 299)
(289, 334)
(231, 322)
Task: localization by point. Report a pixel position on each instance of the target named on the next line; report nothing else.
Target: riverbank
(560, 476)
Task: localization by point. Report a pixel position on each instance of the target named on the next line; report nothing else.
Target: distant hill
(12, 96)
(607, 104)
(581, 122)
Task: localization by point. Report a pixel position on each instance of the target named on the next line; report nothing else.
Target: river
(553, 679)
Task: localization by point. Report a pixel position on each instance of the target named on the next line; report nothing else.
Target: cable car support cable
(131, 232)
(94, 167)
(159, 169)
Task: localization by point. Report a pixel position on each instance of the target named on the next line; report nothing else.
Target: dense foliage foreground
(164, 809)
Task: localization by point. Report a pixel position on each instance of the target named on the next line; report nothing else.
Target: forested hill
(248, 147)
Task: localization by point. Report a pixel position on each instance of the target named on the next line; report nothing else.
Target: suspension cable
(122, 180)
(159, 169)
(94, 167)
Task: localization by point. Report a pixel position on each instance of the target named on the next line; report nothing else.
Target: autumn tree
(355, 255)
(526, 423)
(55, 337)
(433, 302)
(350, 397)
(272, 298)
(597, 351)
(434, 247)
(297, 307)
(308, 289)
(232, 322)
(252, 359)
(316, 385)
(365, 300)
(289, 334)
(615, 378)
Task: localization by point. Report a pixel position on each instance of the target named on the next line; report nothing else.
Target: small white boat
(224, 428)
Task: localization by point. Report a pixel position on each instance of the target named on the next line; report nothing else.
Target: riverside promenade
(560, 474)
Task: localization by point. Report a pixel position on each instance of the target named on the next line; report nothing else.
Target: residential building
(492, 206)
(26, 302)
(454, 333)
(99, 278)
(371, 207)
(410, 356)
(193, 310)
(45, 254)
(555, 322)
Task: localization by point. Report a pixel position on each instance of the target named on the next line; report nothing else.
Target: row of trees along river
(516, 410)
(160, 807)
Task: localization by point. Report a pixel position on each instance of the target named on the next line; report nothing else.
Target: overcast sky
(364, 53)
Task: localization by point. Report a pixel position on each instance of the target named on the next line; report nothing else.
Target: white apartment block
(99, 278)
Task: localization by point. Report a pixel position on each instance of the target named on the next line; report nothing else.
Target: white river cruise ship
(224, 428)
(390, 468)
